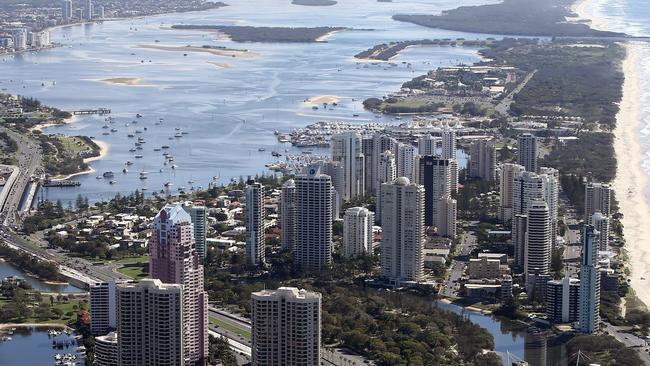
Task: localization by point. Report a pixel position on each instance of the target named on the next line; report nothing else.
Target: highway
(29, 160)
(451, 286)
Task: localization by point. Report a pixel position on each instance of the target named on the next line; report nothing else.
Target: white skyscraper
(20, 39)
(66, 10)
(103, 308)
(601, 224)
(313, 247)
(357, 231)
(150, 324)
(286, 327)
(589, 299)
(483, 160)
(288, 214)
(528, 187)
(405, 160)
(402, 242)
(381, 144)
(551, 186)
(428, 145)
(347, 149)
(386, 172)
(199, 216)
(254, 221)
(88, 10)
(449, 153)
(597, 199)
(538, 239)
(446, 221)
(106, 350)
(506, 190)
(527, 153)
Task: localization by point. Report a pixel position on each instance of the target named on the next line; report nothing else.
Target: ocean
(632, 134)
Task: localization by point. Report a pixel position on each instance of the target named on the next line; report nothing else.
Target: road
(29, 160)
(330, 355)
(630, 341)
(459, 262)
(504, 105)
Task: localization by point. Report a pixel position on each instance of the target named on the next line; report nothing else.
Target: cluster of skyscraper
(413, 189)
(86, 12)
(529, 202)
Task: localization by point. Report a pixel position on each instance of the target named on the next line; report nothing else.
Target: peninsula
(266, 34)
(511, 17)
(387, 51)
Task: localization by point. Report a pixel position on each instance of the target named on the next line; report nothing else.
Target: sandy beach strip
(127, 81)
(631, 180)
(329, 99)
(214, 51)
(42, 126)
(327, 36)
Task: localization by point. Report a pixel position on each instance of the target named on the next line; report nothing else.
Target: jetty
(100, 111)
(61, 183)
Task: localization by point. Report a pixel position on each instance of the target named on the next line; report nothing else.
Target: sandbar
(214, 51)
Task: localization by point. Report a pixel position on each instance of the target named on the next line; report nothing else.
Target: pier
(100, 111)
(61, 183)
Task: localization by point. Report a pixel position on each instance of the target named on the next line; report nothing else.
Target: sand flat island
(329, 99)
(267, 34)
(218, 51)
(128, 81)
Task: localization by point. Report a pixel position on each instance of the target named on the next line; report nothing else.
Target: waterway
(33, 346)
(229, 111)
(8, 270)
(513, 342)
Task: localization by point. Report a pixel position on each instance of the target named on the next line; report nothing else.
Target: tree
(220, 350)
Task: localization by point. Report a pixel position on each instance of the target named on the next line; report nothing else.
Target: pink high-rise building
(174, 259)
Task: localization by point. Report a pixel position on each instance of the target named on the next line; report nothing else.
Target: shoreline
(586, 13)
(631, 180)
(33, 325)
(46, 125)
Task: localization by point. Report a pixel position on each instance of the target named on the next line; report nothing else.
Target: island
(511, 17)
(266, 34)
(314, 2)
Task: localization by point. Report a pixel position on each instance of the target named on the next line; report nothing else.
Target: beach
(42, 126)
(631, 180)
